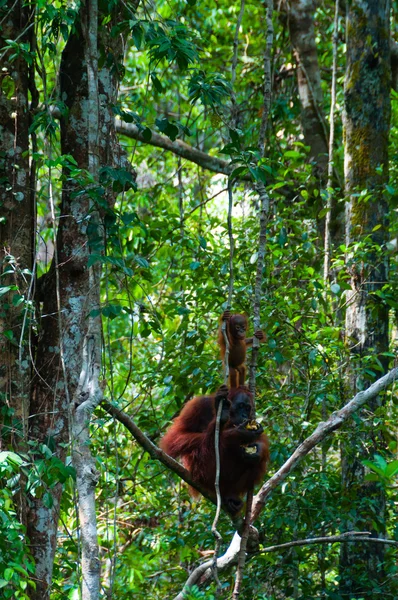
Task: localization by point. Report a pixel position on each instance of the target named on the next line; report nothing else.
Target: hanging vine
(264, 211)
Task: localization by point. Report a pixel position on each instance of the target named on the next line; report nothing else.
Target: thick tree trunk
(16, 225)
(16, 237)
(367, 120)
(69, 292)
(302, 35)
(89, 393)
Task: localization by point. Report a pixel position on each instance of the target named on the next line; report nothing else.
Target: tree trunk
(367, 120)
(16, 225)
(302, 35)
(16, 238)
(68, 294)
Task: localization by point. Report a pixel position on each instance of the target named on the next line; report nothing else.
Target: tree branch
(323, 429)
(154, 451)
(202, 573)
(178, 147)
(204, 570)
(349, 536)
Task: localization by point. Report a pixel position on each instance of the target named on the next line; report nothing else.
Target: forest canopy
(162, 163)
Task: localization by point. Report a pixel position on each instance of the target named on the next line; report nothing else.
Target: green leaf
(238, 171)
(156, 83)
(10, 457)
(137, 33)
(292, 154)
(323, 212)
(279, 357)
(6, 288)
(211, 89)
(194, 265)
(392, 469)
(140, 260)
(235, 138)
(168, 128)
(93, 259)
(48, 500)
(202, 242)
(147, 134)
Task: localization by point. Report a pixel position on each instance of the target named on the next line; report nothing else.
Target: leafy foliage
(16, 563)
(164, 285)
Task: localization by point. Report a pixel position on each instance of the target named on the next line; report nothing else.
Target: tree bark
(16, 225)
(16, 237)
(89, 394)
(302, 35)
(69, 293)
(178, 147)
(367, 121)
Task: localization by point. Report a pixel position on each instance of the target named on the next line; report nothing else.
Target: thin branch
(231, 250)
(203, 203)
(226, 376)
(328, 218)
(315, 104)
(267, 88)
(264, 210)
(243, 545)
(264, 197)
(234, 107)
(349, 536)
(214, 529)
(204, 571)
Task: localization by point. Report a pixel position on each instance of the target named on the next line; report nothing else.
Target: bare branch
(214, 530)
(263, 196)
(203, 571)
(262, 244)
(267, 88)
(178, 147)
(153, 450)
(243, 546)
(349, 536)
(234, 107)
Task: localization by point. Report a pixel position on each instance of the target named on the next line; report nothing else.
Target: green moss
(354, 76)
(360, 150)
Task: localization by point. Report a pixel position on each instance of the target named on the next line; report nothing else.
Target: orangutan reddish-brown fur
(237, 326)
(243, 445)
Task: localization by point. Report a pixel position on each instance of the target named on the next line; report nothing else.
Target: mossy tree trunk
(302, 36)
(68, 292)
(367, 120)
(16, 223)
